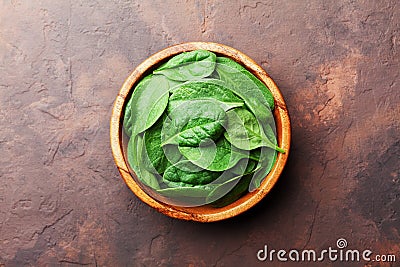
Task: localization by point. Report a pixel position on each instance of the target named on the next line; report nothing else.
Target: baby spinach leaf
(244, 131)
(222, 189)
(246, 89)
(127, 123)
(127, 118)
(186, 195)
(244, 166)
(201, 191)
(172, 84)
(131, 153)
(148, 103)
(194, 195)
(216, 157)
(203, 90)
(264, 167)
(193, 123)
(261, 86)
(189, 66)
(160, 158)
(188, 57)
(186, 172)
(149, 179)
(233, 195)
(134, 150)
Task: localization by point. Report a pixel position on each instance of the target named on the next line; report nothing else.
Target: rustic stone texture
(62, 202)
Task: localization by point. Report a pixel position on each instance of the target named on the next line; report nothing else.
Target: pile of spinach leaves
(200, 130)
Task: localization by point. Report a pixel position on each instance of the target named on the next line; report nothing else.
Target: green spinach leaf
(261, 86)
(134, 152)
(239, 190)
(127, 118)
(203, 90)
(244, 166)
(222, 189)
(246, 89)
(127, 123)
(201, 191)
(186, 172)
(194, 123)
(148, 103)
(160, 158)
(244, 131)
(267, 161)
(189, 66)
(215, 157)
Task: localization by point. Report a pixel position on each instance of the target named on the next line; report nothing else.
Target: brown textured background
(62, 202)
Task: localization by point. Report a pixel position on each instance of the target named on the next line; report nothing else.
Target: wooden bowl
(202, 213)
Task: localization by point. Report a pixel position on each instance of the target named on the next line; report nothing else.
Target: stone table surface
(62, 201)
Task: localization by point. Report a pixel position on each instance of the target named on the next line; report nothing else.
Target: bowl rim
(203, 213)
